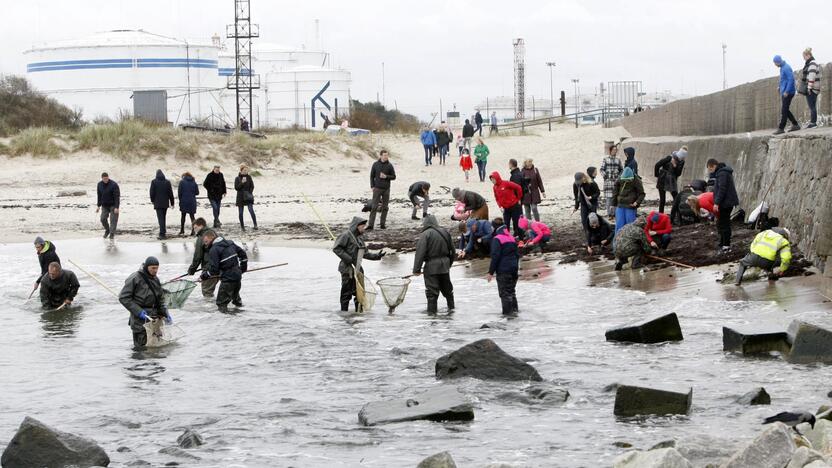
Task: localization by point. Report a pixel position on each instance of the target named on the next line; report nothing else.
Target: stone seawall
(791, 172)
(744, 108)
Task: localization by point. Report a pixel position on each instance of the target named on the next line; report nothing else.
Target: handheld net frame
(159, 334)
(177, 292)
(393, 290)
(366, 296)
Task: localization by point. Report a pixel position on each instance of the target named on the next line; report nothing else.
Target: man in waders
(435, 251)
(226, 261)
(350, 248)
(200, 260)
(46, 256)
(58, 287)
(143, 297)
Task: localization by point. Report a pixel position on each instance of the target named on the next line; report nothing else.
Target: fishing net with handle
(177, 292)
(393, 290)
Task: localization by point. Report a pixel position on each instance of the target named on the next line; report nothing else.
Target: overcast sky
(461, 51)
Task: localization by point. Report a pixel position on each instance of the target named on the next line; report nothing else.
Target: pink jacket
(541, 230)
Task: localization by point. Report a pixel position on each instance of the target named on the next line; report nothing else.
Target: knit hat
(593, 220)
(523, 223)
(151, 261)
(628, 174)
(778, 60)
(682, 153)
(630, 152)
(39, 241)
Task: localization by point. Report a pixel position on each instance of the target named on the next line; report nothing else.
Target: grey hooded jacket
(434, 249)
(347, 246)
(142, 292)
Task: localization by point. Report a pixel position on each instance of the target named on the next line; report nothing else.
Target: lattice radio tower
(244, 81)
(519, 78)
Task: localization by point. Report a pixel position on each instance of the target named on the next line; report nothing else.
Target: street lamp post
(575, 81)
(551, 66)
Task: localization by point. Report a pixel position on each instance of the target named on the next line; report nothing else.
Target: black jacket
(467, 131)
(604, 232)
(161, 192)
(725, 192)
(215, 185)
(242, 187)
(473, 200)
(200, 258)
(505, 258)
(478, 118)
(53, 292)
(516, 176)
(47, 256)
(379, 167)
(443, 138)
(109, 194)
(666, 174)
(417, 188)
(227, 260)
(142, 292)
(591, 190)
(434, 249)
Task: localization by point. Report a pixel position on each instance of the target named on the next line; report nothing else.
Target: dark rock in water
(439, 404)
(636, 401)
(494, 326)
(810, 343)
(829, 394)
(178, 452)
(547, 393)
(123, 449)
(747, 340)
(139, 463)
(758, 396)
(189, 439)
(440, 460)
(484, 360)
(35, 444)
(622, 444)
(657, 330)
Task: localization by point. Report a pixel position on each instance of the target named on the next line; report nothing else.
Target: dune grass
(36, 141)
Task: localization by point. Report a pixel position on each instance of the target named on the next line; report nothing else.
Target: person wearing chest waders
(46, 256)
(58, 287)
(435, 253)
(350, 248)
(200, 259)
(143, 297)
(226, 261)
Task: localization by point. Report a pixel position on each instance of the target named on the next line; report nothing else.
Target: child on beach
(504, 264)
(465, 162)
(460, 143)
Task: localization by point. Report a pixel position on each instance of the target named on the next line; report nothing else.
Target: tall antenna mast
(244, 81)
(519, 77)
(724, 69)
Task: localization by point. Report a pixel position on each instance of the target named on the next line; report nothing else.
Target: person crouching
(504, 263)
(228, 261)
(537, 233)
(631, 241)
(771, 251)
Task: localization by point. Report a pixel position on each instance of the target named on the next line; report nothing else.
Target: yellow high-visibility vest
(768, 243)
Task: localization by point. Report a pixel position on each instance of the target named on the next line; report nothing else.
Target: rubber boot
(740, 271)
(619, 265)
(345, 306)
(451, 303)
(515, 307)
(433, 308)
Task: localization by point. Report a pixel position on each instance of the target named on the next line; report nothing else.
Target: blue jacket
(108, 194)
(188, 190)
(428, 138)
(484, 232)
(504, 254)
(226, 259)
(786, 79)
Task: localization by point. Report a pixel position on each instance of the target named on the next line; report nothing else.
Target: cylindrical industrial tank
(301, 96)
(99, 73)
(275, 57)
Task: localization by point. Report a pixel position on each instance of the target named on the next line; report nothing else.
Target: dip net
(177, 292)
(366, 296)
(393, 290)
(159, 334)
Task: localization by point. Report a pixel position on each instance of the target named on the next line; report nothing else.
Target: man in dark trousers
(58, 287)
(419, 190)
(143, 297)
(228, 262)
(109, 198)
(505, 264)
(435, 252)
(381, 174)
(161, 194)
(467, 134)
(725, 199)
(47, 254)
(350, 248)
(478, 121)
(215, 186)
(201, 258)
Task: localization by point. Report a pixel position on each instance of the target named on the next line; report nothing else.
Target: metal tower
(244, 81)
(519, 78)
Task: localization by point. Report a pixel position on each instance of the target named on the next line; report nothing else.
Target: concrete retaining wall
(794, 170)
(744, 108)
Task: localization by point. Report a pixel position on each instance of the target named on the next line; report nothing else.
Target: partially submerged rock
(758, 396)
(701, 449)
(189, 439)
(659, 458)
(771, 449)
(810, 343)
(636, 401)
(439, 460)
(439, 404)
(484, 360)
(656, 330)
(37, 445)
(750, 340)
(805, 456)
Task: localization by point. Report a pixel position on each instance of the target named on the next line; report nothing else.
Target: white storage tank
(302, 95)
(99, 73)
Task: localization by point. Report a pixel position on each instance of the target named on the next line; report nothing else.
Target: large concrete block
(810, 343)
(753, 340)
(656, 330)
(758, 396)
(771, 449)
(636, 401)
(438, 404)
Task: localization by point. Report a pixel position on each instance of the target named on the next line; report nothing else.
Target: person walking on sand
(478, 121)
(109, 199)
(467, 134)
(161, 195)
(508, 196)
(187, 191)
(465, 162)
(810, 85)
(504, 264)
(351, 249)
(419, 190)
(535, 192)
(200, 259)
(474, 203)
(58, 287)
(787, 90)
(725, 199)
(435, 253)
(47, 254)
(611, 169)
(226, 261)
(443, 141)
(143, 297)
(481, 153)
(381, 174)
(244, 185)
(667, 171)
(493, 128)
(215, 186)
(629, 195)
(428, 143)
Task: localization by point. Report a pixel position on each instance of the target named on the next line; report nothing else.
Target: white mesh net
(177, 292)
(393, 290)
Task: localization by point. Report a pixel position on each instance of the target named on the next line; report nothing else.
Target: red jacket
(706, 201)
(506, 192)
(662, 226)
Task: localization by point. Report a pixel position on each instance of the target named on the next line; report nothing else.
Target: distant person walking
(460, 144)
(443, 141)
(478, 121)
(161, 195)
(244, 185)
(109, 198)
(428, 143)
(725, 199)
(465, 162)
(481, 153)
(188, 190)
(381, 174)
(534, 189)
(493, 128)
(215, 186)
(787, 90)
(611, 169)
(467, 134)
(810, 85)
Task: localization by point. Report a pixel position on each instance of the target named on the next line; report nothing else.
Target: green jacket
(200, 259)
(631, 240)
(628, 192)
(434, 249)
(481, 152)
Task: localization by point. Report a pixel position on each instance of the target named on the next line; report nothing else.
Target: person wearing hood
(474, 203)
(434, 255)
(226, 261)
(143, 297)
(58, 287)
(505, 261)
(508, 196)
(658, 230)
(537, 233)
(611, 169)
(215, 186)
(201, 258)
(351, 249)
(187, 191)
(787, 90)
(770, 251)
(667, 171)
(535, 192)
(416, 191)
(161, 195)
(725, 199)
(630, 161)
(631, 242)
(47, 254)
(584, 192)
(428, 139)
(109, 201)
(600, 233)
(810, 85)
(629, 194)
(244, 185)
(475, 234)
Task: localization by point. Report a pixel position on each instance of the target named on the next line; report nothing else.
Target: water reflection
(61, 323)
(147, 371)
